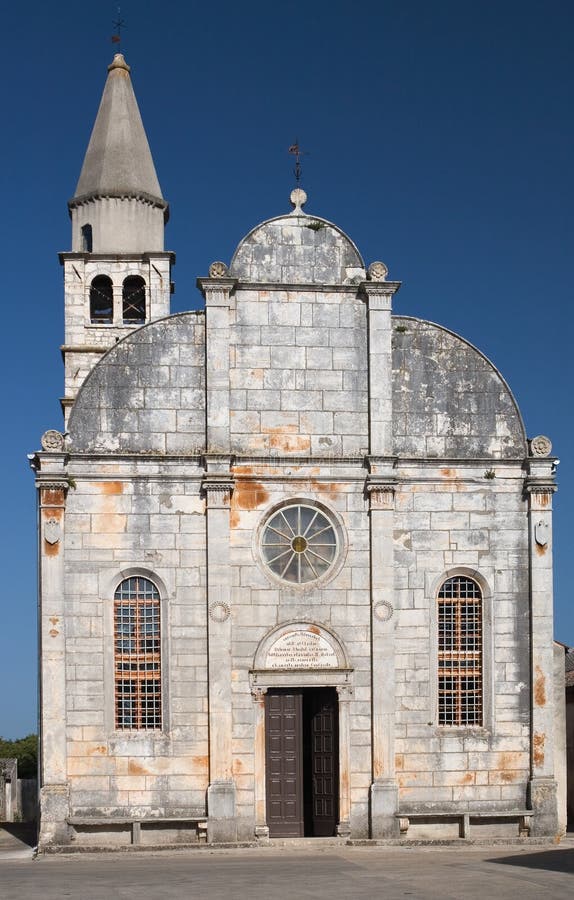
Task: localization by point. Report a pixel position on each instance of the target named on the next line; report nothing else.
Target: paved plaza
(282, 872)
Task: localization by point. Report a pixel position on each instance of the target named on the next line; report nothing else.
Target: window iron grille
(137, 654)
(460, 652)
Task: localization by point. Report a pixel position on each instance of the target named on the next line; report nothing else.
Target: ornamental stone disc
(540, 445)
(218, 270)
(219, 611)
(383, 610)
(52, 440)
(377, 271)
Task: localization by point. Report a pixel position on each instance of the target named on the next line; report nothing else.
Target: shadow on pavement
(551, 860)
(13, 833)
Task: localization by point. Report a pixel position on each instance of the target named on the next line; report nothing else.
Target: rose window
(299, 543)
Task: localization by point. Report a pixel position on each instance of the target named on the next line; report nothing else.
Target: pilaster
(217, 292)
(379, 295)
(52, 486)
(539, 487)
(345, 693)
(218, 486)
(384, 789)
(261, 827)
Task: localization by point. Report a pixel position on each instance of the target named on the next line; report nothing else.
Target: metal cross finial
(297, 153)
(118, 24)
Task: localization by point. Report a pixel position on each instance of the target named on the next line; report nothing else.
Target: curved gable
(146, 394)
(297, 249)
(448, 398)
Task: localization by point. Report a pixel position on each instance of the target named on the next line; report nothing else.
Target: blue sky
(439, 137)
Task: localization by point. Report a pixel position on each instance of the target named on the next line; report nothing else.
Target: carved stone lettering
(301, 650)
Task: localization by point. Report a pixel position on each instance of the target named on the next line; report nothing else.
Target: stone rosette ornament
(540, 445)
(383, 610)
(52, 441)
(377, 271)
(219, 611)
(218, 269)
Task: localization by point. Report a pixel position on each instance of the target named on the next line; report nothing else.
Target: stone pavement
(317, 871)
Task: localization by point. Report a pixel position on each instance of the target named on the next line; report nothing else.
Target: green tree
(25, 750)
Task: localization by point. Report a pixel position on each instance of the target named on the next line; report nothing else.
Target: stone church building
(295, 550)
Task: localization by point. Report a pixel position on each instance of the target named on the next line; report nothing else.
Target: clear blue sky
(440, 138)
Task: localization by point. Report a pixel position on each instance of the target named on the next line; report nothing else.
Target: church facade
(295, 550)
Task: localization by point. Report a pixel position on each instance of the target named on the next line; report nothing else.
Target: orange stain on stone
(53, 496)
(538, 742)
(51, 549)
(539, 687)
(540, 550)
(200, 764)
(111, 487)
(290, 443)
(331, 488)
(136, 768)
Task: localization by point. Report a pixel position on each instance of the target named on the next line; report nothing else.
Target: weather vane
(296, 151)
(118, 24)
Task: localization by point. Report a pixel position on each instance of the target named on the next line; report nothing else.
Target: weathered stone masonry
(295, 389)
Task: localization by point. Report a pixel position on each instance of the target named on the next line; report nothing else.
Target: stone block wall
(451, 521)
(298, 373)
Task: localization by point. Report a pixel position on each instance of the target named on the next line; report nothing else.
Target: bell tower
(118, 275)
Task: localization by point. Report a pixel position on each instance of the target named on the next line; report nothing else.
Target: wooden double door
(302, 762)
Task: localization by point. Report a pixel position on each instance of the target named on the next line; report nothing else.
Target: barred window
(460, 652)
(137, 641)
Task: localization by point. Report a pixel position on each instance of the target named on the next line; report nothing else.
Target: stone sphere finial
(218, 270)
(540, 445)
(298, 198)
(377, 271)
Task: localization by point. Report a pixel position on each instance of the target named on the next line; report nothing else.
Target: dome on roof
(297, 249)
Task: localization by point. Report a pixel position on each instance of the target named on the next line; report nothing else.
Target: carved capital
(52, 494)
(218, 490)
(258, 693)
(344, 691)
(381, 494)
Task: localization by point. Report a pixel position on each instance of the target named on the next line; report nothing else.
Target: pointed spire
(118, 160)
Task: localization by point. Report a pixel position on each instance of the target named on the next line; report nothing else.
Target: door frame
(340, 677)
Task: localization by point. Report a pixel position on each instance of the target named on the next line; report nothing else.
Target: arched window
(137, 646)
(87, 238)
(133, 299)
(460, 652)
(101, 300)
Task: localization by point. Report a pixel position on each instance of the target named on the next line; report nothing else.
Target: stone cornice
(65, 255)
(142, 196)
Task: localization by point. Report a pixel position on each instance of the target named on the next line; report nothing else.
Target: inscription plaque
(301, 650)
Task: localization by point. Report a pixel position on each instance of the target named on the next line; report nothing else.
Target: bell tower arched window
(460, 651)
(87, 239)
(133, 300)
(137, 654)
(101, 300)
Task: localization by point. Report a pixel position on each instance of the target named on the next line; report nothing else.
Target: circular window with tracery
(299, 543)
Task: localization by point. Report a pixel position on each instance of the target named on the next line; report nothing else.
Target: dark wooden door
(324, 757)
(284, 763)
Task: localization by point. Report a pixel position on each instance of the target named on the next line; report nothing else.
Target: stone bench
(464, 819)
(135, 824)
